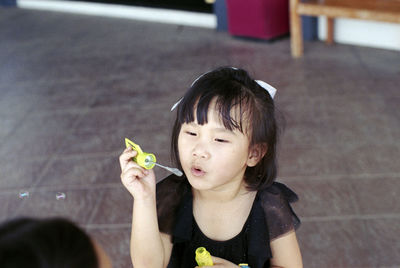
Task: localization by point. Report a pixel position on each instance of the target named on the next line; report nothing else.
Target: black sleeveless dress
(270, 217)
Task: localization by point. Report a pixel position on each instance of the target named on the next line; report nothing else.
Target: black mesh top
(271, 216)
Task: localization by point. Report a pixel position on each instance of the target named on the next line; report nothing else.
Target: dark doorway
(188, 5)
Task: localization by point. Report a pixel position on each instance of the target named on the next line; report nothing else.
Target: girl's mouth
(197, 171)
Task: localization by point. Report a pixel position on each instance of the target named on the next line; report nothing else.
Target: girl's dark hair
(46, 243)
(254, 115)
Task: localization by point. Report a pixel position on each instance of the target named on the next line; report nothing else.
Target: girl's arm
(286, 251)
(149, 248)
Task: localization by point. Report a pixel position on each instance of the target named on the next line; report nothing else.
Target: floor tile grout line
(96, 154)
(41, 189)
(73, 110)
(40, 177)
(322, 177)
(96, 208)
(81, 112)
(35, 188)
(350, 217)
(303, 220)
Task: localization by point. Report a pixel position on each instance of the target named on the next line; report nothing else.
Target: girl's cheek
(182, 141)
(182, 148)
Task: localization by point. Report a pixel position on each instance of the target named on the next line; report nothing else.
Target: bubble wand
(148, 160)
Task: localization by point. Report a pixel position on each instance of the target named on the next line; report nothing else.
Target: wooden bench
(378, 10)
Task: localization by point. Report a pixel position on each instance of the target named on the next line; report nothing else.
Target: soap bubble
(23, 194)
(60, 196)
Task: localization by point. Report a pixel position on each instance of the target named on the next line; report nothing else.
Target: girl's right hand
(140, 182)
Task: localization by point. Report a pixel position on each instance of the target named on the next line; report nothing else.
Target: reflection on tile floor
(73, 87)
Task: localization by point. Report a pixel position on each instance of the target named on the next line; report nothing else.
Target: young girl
(224, 140)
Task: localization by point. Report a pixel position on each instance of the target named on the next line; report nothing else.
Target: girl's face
(212, 156)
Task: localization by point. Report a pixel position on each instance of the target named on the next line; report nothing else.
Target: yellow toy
(145, 160)
(148, 160)
(203, 257)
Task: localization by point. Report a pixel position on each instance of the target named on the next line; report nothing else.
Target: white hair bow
(271, 90)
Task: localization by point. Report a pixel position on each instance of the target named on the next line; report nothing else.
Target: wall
(363, 33)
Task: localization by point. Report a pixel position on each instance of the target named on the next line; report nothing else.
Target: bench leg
(329, 31)
(296, 40)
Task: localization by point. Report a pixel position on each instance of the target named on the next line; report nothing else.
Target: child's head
(27, 242)
(242, 105)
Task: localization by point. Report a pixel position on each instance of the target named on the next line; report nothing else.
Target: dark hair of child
(45, 243)
(243, 105)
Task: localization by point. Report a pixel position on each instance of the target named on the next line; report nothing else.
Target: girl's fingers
(216, 262)
(130, 165)
(220, 262)
(217, 259)
(126, 157)
(131, 174)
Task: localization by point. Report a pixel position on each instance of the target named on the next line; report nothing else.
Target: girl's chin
(198, 183)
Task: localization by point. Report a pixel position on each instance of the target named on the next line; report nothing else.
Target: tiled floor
(72, 87)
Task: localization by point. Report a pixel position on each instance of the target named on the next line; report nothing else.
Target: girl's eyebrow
(224, 130)
(216, 129)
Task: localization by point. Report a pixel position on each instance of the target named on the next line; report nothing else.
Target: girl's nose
(200, 151)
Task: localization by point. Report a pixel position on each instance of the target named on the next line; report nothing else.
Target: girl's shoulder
(169, 194)
(280, 217)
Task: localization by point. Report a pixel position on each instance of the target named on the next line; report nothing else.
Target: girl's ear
(256, 153)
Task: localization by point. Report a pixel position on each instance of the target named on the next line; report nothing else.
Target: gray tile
(21, 173)
(42, 203)
(378, 195)
(96, 141)
(116, 197)
(138, 90)
(39, 134)
(349, 243)
(82, 170)
(110, 119)
(298, 160)
(66, 95)
(363, 159)
(325, 197)
(385, 247)
(10, 202)
(101, 141)
(15, 102)
(7, 126)
(24, 146)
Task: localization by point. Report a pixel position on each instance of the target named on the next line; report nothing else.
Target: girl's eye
(221, 140)
(190, 133)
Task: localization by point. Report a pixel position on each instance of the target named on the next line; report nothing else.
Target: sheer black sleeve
(169, 193)
(279, 214)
